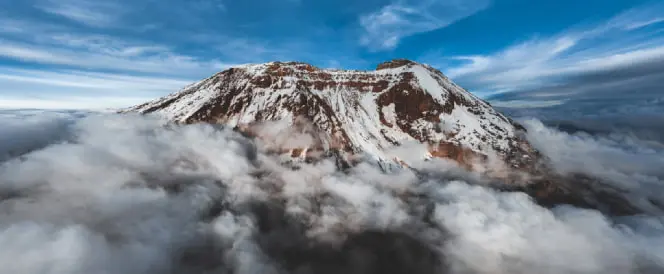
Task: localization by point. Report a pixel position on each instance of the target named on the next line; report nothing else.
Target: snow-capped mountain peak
(352, 111)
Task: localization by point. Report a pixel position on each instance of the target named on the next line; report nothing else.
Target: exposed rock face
(303, 112)
(353, 112)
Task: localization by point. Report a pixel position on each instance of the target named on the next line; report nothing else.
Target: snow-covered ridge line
(360, 112)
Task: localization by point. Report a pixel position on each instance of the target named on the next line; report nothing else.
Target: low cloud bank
(624, 160)
(130, 194)
(25, 130)
(634, 117)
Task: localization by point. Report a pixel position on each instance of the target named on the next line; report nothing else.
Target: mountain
(306, 113)
(353, 112)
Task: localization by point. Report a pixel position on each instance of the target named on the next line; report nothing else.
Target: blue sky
(115, 53)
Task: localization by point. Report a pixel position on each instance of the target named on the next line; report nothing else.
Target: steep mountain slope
(353, 112)
(304, 113)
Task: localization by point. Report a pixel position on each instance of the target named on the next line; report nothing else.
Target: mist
(103, 193)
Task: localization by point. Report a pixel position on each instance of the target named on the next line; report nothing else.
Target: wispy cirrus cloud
(66, 64)
(58, 49)
(75, 89)
(90, 13)
(68, 68)
(136, 58)
(189, 40)
(642, 24)
(57, 45)
(384, 28)
(569, 63)
(93, 81)
(69, 102)
(210, 5)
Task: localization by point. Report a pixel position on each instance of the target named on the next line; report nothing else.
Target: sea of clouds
(106, 193)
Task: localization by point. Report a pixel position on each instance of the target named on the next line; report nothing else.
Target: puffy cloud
(129, 194)
(630, 163)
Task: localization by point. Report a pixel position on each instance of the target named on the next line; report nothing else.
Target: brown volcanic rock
(396, 63)
(304, 112)
(356, 111)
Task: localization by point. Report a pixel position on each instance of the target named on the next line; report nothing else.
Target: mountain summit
(353, 112)
(398, 114)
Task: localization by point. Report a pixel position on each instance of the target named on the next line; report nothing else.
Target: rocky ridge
(353, 112)
(305, 113)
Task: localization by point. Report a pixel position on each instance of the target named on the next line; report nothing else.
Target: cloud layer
(126, 194)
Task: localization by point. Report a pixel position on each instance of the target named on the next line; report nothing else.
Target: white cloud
(638, 17)
(58, 45)
(521, 66)
(631, 164)
(124, 194)
(16, 26)
(21, 52)
(90, 71)
(527, 103)
(137, 58)
(71, 89)
(82, 79)
(91, 13)
(66, 102)
(384, 28)
(541, 61)
(62, 48)
(102, 44)
(620, 59)
(80, 68)
(210, 5)
(642, 24)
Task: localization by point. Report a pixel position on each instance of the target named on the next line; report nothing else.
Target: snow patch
(355, 109)
(389, 113)
(428, 83)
